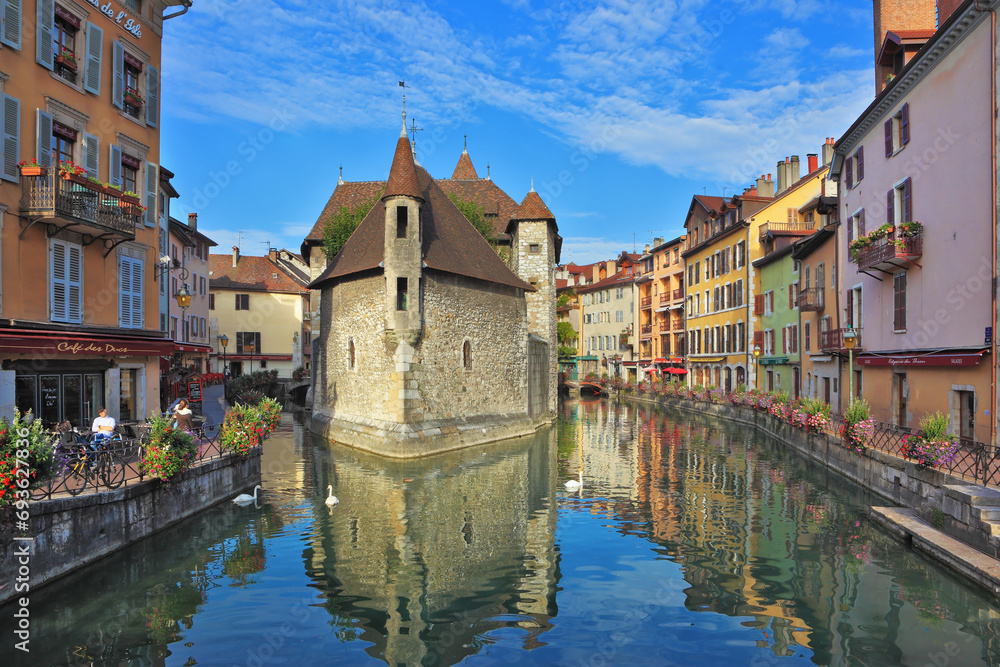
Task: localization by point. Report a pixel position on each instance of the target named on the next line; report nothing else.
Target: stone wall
(73, 531)
(538, 269)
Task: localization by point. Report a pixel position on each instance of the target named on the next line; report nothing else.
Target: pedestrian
(183, 419)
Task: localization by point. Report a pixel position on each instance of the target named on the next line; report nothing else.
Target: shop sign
(926, 360)
(77, 347)
(130, 25)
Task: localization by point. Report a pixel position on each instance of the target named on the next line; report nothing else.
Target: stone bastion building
(427, 340)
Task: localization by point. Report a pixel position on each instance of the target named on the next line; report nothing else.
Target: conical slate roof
(532, 208)
(403, 174)
(464, 169)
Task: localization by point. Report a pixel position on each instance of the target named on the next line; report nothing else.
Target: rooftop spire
(532, 184)
(403, 173)
(532, 207)
(340, 179)
(464, 170)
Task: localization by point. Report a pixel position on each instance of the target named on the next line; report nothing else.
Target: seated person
(104, 426)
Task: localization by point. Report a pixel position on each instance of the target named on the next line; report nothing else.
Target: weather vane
(413, 131)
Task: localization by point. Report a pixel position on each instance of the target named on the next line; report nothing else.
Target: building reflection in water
(429, 556)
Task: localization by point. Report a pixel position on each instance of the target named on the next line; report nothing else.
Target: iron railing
(646, 302)
(769, 227)
(890, 248)
(833, 340)
(81, 204)
(678, 294)
(665, 298)
(811, 298)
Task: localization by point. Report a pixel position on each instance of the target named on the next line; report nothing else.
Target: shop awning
(55, 343)
(932, 359)
(192, 347)
(675, 371)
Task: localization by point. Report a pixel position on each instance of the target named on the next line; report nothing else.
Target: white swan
(245, 499)
(573, 485)
(331, 499)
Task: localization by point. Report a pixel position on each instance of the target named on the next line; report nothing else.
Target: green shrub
(24, 445)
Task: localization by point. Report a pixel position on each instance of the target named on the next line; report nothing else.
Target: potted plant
(932, 445)
(72, 172)
(134, 98)
(31, 168)
(67, 59)
(910, 229)
(130, 197)
(859, 427)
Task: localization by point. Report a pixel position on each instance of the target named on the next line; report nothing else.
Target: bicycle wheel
(77, 475)
(112, 470)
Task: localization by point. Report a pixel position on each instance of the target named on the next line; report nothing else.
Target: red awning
(56, 343)
(192, 347)
(677, 371)
(933, 359)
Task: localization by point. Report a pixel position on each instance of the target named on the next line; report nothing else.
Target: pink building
(916, 174)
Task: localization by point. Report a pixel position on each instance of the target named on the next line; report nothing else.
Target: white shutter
(43, 140)
(115, 166)
(95, 51)
(10, 23)
(92, 156)
(10, 123)
(137, 319)
(125, 292)
(152, 95)
(152, 182)
(57, 282)
(46, 18)
(118, 69)
(74, 283)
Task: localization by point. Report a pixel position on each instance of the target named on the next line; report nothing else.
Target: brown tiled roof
(496, 203)
(464, 169)
(346, 195)
(615, 280)
(252, 274)
(710, 202)
(450, 242)
(532, 208)
(403, 173)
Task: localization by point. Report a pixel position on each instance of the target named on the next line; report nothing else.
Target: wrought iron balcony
(78, 205)
(646, 331)
(811, 299)
(678, 294)
(833, 340)
(646, 302)
(893, 251)
(773, 227)
(665, 298)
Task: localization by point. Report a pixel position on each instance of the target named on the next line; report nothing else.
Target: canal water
(691, 542)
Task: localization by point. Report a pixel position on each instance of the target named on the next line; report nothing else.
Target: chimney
(273, 254)
(813, 160)
(657, 242)
(794, 171)
(782, 176)
(828, 151)
(910, 15)
(765, 186)
(236, 255)
(193, 221)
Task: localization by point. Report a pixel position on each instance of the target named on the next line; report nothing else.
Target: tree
(338, 227)
(473, 212)
(565, 332)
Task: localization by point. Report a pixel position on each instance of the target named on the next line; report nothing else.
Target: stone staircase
(971, 514)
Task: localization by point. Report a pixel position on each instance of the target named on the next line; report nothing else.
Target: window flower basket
(32, 168)
(133, 98)
(68, 170)
(910, 229)
(130, 198)
(67, 59)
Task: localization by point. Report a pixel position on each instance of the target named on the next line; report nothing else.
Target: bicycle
(95, 462)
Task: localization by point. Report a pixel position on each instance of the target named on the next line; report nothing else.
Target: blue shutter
(91, 155)
(10, 23)
(74, 283)
(10, 140)
(43, 143)
(58, 287)
(46, 18)
(95, 52)
(118, 70)
(152, 95)
(125, 292)
(152, 182)
(115, 166)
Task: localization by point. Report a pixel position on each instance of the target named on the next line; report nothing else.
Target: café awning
(950, 359)
(61, 343)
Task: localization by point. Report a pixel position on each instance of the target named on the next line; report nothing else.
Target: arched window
(350, 355)
(467, 355)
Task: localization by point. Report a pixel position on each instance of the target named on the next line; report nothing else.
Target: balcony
(888, 253)
(665, 298)
(777, 227)
(833, 341)
(646, 302)
(646, 331)
(678, 294)
(78, 205)
(811, 299)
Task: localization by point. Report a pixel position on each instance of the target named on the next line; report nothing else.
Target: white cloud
(583, 250)
(844, 51)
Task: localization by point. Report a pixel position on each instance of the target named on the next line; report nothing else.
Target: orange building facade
(79, 214)
(661, 309)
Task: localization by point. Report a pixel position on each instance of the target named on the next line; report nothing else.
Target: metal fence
(82, 468)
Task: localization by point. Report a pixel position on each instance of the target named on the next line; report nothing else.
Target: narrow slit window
(350, 354)
(402, 220)
(401, 294)
(467, 355)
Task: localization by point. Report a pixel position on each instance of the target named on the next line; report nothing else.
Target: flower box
(33, 170)
(129, 200)
(133, 99)
(68, 62)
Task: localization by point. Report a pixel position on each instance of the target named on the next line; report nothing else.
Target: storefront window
(48, 410)
(129, 394)
(72, 399)
(26, 394)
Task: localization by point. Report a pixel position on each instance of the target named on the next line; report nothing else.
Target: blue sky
(618, 110)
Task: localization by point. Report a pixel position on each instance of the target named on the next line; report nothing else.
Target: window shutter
(92, 157)
(907, 202)
(890, 206)
(806, 331)
(784, 340)
(137, 310)
(125, 292)
(850, 173)
(850, 230)
(152, 95)
(152, 181)
(43, 140)
(888, 137)
(10, 23)
(95, 52)
(861, 163)
(758, 304)
(115, 166)
(74, 281)
(10, 122)
(758, 339)
(790, 306)
(46, 17)
(57, 283)
(118, 74)
(904, 124)
(861, 223)
(850, 308)
(795, 338)
(899, 302)
(771, 299)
